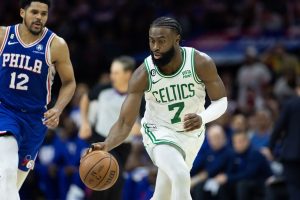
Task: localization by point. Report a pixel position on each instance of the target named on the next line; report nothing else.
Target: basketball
(99, 170)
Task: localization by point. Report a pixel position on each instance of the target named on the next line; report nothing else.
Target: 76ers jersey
(26, 71)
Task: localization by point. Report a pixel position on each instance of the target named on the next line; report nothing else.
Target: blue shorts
(27, 128)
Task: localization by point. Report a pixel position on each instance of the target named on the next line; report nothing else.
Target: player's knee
(181, 176)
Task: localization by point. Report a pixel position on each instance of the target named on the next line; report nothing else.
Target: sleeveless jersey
(26, 71)
(170, 97)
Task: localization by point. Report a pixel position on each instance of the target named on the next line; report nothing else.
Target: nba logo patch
(12, 36)
(39, 47)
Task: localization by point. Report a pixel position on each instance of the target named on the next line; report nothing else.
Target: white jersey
(170, 97)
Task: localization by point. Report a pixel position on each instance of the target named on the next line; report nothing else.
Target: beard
(32, 30)
(165, 58)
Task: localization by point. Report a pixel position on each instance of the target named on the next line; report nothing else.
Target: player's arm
(61, 59)
(207, 72)
(2, 35)
(129, 111)
(85, 128)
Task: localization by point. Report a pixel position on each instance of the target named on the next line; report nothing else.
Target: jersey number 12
(21, 80)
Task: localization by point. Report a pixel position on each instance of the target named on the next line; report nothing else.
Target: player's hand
(192, 121)
(99, 146)
(85, 131)
(52, 117)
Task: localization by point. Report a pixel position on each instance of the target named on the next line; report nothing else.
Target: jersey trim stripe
(48, 52)
(51, 69)
(197, 79)
(163, 141)
(48, 86)
(31, 44)
(5, 40)
(149, 76)
(178, 71)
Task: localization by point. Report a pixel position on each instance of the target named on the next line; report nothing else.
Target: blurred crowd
(236, 144)
(110, 27)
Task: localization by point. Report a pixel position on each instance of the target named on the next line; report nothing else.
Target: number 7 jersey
(170, 97)
(26, 71)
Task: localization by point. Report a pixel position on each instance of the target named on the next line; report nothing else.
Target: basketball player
(30, 54)
(174, 80)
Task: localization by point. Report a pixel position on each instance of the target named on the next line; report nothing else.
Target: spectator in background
(252, 77)
(278, 60)
(210, 163)
(287, 130)
(50, 159)
(81, 89)
(285, 84)
(108, 107)
(247, 171)
(260, 136)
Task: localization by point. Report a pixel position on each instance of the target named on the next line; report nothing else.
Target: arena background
(97, 31)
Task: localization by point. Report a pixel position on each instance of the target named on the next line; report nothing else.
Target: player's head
(164, 37)
(121, 70)
(34, 14)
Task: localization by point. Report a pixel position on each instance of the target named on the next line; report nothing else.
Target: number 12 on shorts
(179, 106)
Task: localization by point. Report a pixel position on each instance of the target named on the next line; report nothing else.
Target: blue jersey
(26, 71)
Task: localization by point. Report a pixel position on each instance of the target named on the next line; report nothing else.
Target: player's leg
(171, 162)
(162, 186)
(33, 134)
(8, 168)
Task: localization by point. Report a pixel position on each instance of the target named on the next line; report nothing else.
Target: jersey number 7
(179, 106)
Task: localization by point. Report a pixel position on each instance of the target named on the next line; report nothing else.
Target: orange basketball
(99, 170)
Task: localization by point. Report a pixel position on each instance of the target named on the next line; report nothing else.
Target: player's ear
(22, 13)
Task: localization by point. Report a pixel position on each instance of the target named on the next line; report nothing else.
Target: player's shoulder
(58, 42)
(202, 60)
(139, 79)
(2, 33)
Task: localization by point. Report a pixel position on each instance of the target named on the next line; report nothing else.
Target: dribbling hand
(52, 118)
(99, 146)
(192, 121)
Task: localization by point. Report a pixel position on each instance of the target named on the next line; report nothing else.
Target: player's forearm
(214, 110)
(65, 94)
(118, 133)
(84, 106)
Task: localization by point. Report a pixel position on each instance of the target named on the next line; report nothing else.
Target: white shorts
(187, 143)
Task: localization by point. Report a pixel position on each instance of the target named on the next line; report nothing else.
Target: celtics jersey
(170, 97)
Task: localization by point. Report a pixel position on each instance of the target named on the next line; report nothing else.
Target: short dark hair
(127, 62)
(167, 22)
(25, 3)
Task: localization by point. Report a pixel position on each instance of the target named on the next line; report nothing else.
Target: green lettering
(179, 93)
(155, 92)
(182, 90)
(162, 95)
(173, 89)
(191, 89)
(168, 96)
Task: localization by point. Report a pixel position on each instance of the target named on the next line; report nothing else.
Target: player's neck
(26, 36)
(174, 64)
